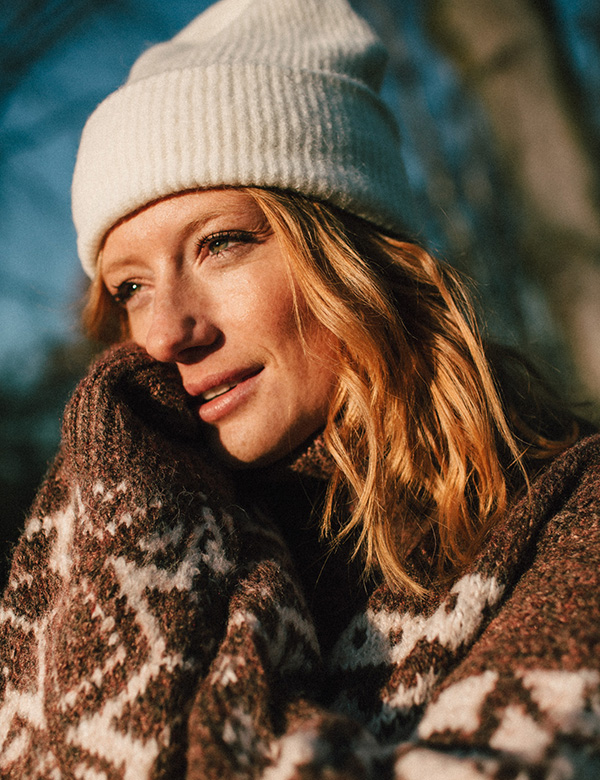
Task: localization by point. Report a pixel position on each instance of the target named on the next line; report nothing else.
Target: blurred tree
(508, 57)
(30, 28)
(502, 162)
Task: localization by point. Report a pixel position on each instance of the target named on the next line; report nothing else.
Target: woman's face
(205, 286)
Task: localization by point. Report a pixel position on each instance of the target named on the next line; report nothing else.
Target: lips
(219, 394)
(216, 384)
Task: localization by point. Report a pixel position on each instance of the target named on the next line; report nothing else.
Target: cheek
(306, 355)
(263, 307)
(323, 357)
(138, 329)
(314, 362)
(313, 349)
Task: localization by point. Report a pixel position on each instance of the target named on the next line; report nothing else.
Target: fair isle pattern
(153, 629)
(117, 599)
(390, 639)
(115, 582)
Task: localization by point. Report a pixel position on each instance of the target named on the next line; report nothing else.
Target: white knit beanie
(270, 93)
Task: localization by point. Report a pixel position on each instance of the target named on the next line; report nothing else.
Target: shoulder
(547, 547)
(571, 483)
(549, 554)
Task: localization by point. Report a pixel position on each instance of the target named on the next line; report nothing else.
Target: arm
(117, 596)
(500, 677)
(525, 697)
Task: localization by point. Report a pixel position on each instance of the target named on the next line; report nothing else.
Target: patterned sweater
(155, 627)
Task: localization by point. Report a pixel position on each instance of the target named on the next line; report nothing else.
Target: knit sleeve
(497, 679)
(525, 699)
(117, 595)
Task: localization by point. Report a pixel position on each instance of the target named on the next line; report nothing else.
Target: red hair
(420, 435)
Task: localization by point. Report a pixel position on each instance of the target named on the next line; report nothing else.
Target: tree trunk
(506, 56)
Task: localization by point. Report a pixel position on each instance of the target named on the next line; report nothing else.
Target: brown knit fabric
(153, 627)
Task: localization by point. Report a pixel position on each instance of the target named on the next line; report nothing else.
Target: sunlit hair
(420, 436)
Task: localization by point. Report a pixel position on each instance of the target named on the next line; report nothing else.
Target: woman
(299, 526)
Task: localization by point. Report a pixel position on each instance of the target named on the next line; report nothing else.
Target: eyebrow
(196, 224)
(183, 233)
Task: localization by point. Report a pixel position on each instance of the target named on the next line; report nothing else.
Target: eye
(125, 291)
(224, 242)
(217, 245)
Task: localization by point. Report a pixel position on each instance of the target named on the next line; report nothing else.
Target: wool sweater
(157, 624)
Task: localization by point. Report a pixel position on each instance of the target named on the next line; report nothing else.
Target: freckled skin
(206, 287)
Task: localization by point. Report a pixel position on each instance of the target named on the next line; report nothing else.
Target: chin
(249, 452)
(243, 454)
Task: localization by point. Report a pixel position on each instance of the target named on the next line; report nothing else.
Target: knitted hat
(270, 93)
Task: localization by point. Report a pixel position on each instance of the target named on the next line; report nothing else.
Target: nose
(179, 331)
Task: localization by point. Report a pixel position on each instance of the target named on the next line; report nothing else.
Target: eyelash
(233, 236)
(126, 290)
